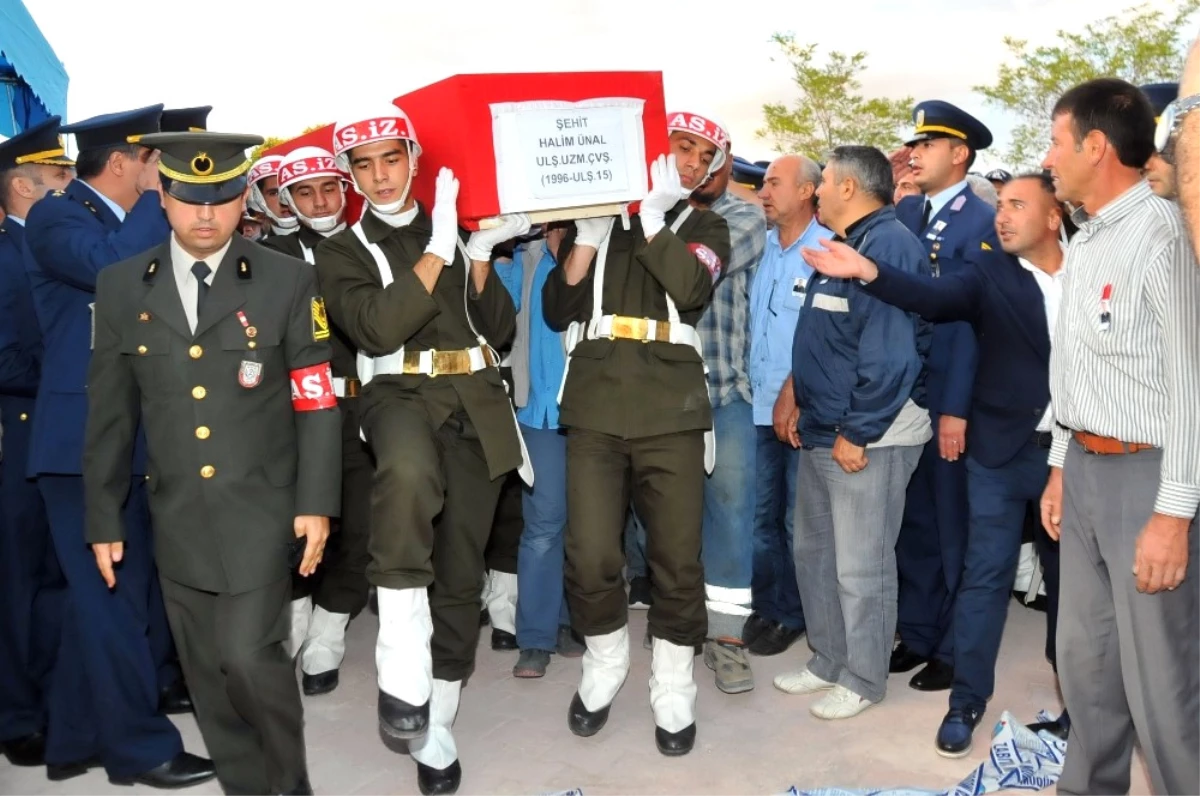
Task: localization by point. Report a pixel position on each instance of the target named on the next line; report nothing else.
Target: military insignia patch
(250, 373)
(921, 118)
(320, 321)
(985, 246)
(708, 258)
(144, 317)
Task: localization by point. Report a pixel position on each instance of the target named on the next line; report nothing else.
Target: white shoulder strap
(308, 255)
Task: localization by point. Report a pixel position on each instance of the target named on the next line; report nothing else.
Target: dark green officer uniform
(636, 414)
(340, 587)
(243, 435)
(442, 444)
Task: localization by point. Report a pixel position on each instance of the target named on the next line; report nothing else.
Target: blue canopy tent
(33, 82)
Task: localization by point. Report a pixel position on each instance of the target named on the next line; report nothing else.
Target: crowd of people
(809, 400)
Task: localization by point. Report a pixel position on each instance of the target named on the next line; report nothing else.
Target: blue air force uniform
(31, 585)
(105, 701)
(932, 544)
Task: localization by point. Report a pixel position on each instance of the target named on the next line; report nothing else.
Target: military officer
(1160, 168)
(219, 344)
(32, 163)
(945, 575)
(635, 403)
(315, 188)
(264, 196)
(426, 314)
(110, 715)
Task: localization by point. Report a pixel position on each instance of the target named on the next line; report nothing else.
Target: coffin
(555, 145)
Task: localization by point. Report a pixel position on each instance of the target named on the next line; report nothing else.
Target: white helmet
(267, 166)
(390, 124)
(307, 163)
(708, 127)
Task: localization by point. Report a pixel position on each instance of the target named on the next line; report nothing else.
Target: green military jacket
(627, 388)
(293, 245)
(380, 320)
(229, 466)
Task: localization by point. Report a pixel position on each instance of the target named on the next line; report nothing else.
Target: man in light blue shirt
(789, 201)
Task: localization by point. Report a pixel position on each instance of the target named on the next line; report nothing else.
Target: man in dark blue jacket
(856, 368)
(1011, 298)
(110, 715)
(32, 163)
(950, 221)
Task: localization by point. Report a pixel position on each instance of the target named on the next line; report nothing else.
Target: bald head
(788, 190)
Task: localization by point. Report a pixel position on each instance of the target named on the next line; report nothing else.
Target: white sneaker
(801, 682)
(840, 703)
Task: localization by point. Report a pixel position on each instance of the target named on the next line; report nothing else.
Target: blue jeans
(997, 497)
(540, 604)
(776, 597)
(846, 529)
(728, 546)
(635, 546)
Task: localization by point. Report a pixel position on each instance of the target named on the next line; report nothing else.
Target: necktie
(925, 215)
(200, 270)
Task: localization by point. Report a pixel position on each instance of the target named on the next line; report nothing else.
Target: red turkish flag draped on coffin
(323, 137)
(555, 145)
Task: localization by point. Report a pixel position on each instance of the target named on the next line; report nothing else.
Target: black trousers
(432, 505)
(242, 682)
(501, 552)
(664, 476)
(340, 583)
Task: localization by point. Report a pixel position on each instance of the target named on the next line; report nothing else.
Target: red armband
(312, 388)
(708, 258)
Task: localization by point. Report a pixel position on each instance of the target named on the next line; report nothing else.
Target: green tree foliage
(1141, 45)
(270, 141)
(830, 110)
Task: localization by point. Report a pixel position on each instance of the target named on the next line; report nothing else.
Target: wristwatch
(1172, 117)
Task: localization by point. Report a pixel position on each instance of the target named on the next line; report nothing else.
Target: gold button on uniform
(195, 352)
(202, 432)
(24, 417)
(208, 471)
(198, 393)
(142, 349)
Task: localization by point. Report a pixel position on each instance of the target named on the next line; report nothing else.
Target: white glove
(665, 192)
(444, 239)
(592, 231)
(481, 243)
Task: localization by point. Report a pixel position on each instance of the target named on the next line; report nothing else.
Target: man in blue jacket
(856, 368)
(110, 713)
(950, 221)
(32, 163)
(1011, 298)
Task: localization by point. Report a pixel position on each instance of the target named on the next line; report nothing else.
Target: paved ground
(513, 737)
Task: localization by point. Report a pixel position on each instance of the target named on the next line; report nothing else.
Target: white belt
(676, 332)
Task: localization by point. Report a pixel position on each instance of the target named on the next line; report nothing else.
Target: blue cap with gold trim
(203, 168)
(937, 119)
(115, 129)
(38, 144)
(185, 120)
(1160, 95)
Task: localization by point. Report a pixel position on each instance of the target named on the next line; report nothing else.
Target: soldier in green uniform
(426, 313)
(635, 402)
(311, 184)
(215, 344)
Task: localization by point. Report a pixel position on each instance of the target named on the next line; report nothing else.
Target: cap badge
(202, 165)
(921, 118)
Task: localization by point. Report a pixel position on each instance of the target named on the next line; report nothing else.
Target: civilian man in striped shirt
(1125, 463)
(729, 492)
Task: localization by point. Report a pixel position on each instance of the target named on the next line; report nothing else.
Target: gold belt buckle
(629, 328)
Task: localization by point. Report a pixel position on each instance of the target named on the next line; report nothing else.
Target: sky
(276, 68)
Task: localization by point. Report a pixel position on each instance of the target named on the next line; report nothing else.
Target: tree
(1139, 45)
(269, 142)
(830, 111)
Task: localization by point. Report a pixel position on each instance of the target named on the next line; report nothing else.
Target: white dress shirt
(185, 280)
(1052, 290)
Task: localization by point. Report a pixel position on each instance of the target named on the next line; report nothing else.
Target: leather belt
(1043, 439)
(1107, 446)
(448, 363)
(347, 388)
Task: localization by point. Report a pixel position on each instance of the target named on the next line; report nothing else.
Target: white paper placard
(552, 154)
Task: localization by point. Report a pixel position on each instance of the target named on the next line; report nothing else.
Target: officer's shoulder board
(151, 270)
